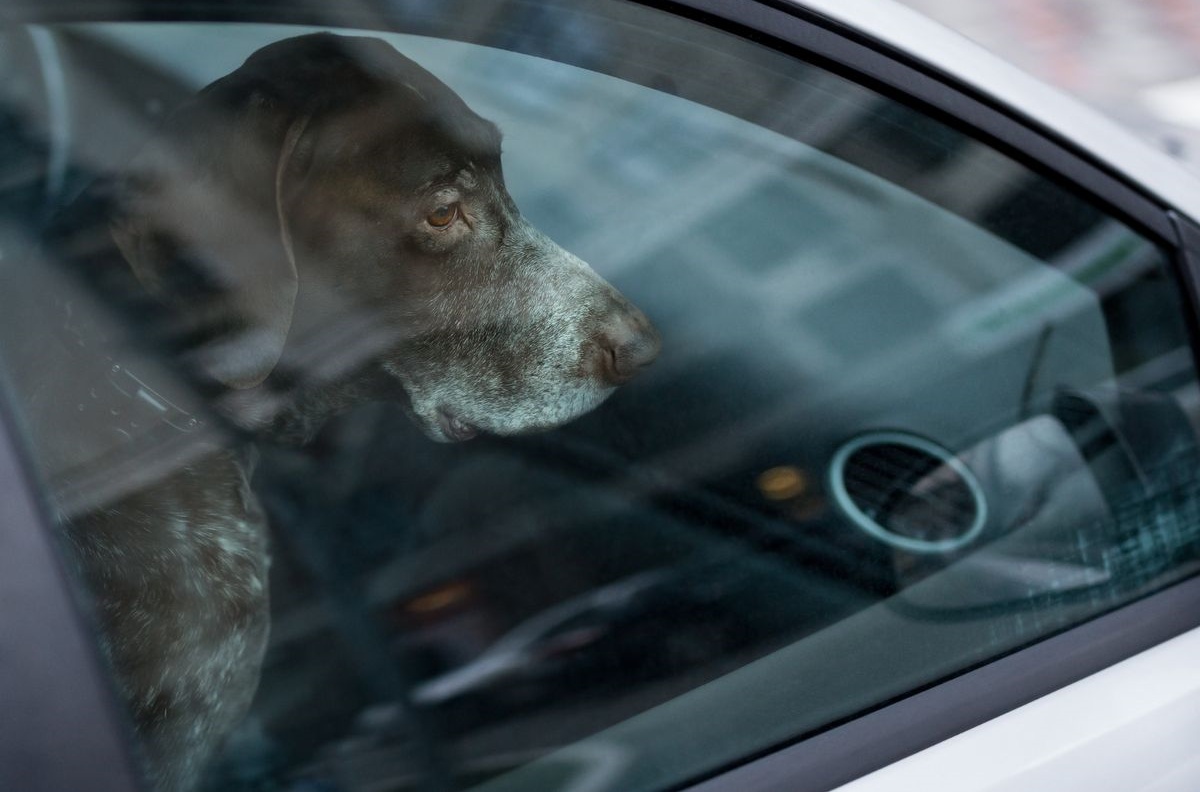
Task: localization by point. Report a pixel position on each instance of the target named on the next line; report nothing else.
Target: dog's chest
(178, 576)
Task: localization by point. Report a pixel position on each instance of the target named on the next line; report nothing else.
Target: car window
(854, 400)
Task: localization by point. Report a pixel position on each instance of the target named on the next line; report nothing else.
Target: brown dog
(331, 214)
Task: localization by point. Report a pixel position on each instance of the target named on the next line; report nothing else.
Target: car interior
(918, 405)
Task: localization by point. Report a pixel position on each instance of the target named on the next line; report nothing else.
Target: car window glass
(908, 404)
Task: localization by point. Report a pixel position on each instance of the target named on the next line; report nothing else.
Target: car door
(919, 449)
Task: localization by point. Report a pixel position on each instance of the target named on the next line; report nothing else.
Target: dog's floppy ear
(203, 223)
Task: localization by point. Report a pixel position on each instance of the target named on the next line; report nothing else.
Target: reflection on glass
(682, 575)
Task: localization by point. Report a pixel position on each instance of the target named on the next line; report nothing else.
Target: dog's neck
(303, 408)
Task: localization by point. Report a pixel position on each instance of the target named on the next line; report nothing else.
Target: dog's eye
(442, 216)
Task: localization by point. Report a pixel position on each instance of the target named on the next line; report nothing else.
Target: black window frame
(57, 645)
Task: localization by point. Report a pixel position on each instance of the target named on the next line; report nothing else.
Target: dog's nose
(627, 343)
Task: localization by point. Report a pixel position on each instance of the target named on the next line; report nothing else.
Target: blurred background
(1136, 60)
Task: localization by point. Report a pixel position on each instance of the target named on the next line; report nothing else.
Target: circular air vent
(908, 492)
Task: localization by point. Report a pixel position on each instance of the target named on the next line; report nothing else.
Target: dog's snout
(627, 343)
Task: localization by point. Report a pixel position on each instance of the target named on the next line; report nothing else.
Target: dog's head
(331, 188)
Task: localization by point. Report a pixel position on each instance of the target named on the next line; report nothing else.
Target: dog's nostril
(627, 346)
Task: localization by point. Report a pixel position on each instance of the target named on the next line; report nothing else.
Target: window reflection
(824, 265)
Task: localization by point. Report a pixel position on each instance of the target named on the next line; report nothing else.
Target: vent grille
(908, 492)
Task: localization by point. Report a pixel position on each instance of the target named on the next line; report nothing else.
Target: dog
(328, 188)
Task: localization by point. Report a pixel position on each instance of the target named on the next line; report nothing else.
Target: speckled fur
(178, 574)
